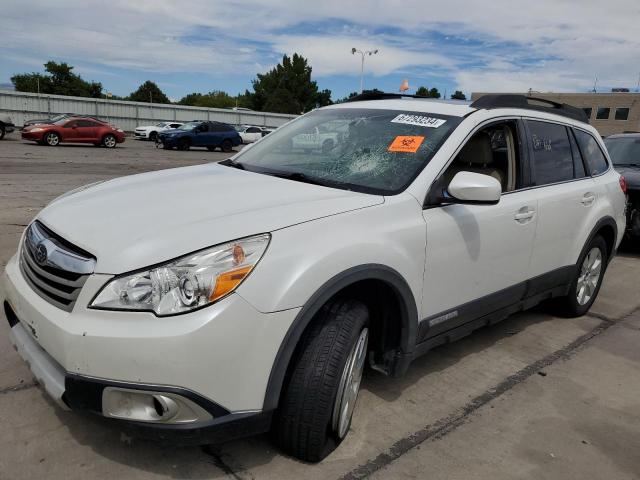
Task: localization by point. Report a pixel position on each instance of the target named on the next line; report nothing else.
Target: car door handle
(524, 214)
(588, 199)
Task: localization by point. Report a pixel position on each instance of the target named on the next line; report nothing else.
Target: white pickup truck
(316, 140)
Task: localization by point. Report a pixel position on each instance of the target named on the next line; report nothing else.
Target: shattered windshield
(369, 150)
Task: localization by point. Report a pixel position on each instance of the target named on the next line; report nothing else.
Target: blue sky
(203, 45)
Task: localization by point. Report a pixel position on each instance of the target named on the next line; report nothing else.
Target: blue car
(211, 135)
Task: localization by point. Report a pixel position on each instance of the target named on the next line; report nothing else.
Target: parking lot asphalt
(532, 397)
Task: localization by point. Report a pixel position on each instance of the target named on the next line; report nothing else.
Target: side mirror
(474, 188)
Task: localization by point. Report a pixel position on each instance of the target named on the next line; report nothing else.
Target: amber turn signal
(228, 281)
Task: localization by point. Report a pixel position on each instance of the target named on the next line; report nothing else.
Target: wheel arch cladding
(607, 228)
(360, 275)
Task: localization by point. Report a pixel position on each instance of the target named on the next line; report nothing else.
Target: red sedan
(74, 130)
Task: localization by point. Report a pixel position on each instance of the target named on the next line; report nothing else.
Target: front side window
(603, 113)
(368, 150)
(591, 152)
(624, 150)
(622, 113)
(492, 151)
(189, 126)
(551, 152)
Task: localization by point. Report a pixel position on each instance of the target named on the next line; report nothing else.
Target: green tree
(422, 92)
(287, 88)
(213, 99)
(458, 95)
(149, 92)
(59, 80)
(355, 94)
(434, 93)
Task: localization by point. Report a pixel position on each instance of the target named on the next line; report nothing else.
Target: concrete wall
(21, 106)
(613, 101)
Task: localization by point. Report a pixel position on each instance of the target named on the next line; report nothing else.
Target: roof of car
(456, 108)
(395, 101)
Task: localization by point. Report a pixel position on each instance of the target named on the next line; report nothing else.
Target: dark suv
(211, 135)
(624, 150)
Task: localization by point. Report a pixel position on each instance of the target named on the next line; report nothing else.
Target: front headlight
(37, 129)
(190, 282)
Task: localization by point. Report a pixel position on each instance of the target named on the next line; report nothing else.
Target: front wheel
(153, 136)
(319, 398)
(52, 139)
(184, 144)
(587, 280)
(227, 146)
(109, 141)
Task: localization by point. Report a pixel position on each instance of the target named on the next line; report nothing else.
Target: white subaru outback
(218, 301)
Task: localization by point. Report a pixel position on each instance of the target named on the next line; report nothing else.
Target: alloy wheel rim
(589, 276)
(52, 139)
(109, 141)
(350, 385)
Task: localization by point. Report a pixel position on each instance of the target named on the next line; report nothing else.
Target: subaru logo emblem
(40, 253)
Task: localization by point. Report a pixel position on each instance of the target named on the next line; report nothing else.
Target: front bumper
(34, 136)
(219, 357)
(140, 134)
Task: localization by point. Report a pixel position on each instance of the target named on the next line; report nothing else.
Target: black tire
(211, 149)
(569, 305)
(184, 144)
(153, 136)
(226, 146)
(2, 131)
(327, 145)
(109, 141)
(304, 425)
(52, 139)
(166, 147)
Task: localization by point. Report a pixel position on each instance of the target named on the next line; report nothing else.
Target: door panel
(474, 251)
(563, 212)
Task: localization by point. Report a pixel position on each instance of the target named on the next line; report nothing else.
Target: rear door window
(551, 155)
(591, 152)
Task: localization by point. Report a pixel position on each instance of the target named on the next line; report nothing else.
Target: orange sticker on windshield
(407, 144)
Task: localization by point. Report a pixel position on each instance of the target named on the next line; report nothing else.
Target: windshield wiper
(232, 163)
(298, 177)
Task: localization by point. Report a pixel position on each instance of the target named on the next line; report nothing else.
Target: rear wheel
(587, 281)
(52, 139)
(319, 398)
(109, 141)
(184, 144)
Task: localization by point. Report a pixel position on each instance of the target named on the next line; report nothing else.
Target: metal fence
(22, 106)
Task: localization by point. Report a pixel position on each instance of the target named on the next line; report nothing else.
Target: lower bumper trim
(48, 373)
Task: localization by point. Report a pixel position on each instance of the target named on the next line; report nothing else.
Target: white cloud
(569, 41)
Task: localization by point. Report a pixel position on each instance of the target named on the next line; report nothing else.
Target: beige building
(609, 113)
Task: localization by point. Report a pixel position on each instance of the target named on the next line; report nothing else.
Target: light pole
(362, 54)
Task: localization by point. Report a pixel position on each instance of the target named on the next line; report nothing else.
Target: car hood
(631, 175)
(140, 220)
(38, 125)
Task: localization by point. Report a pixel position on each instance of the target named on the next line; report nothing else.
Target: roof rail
(376, 95)
(498, 100)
